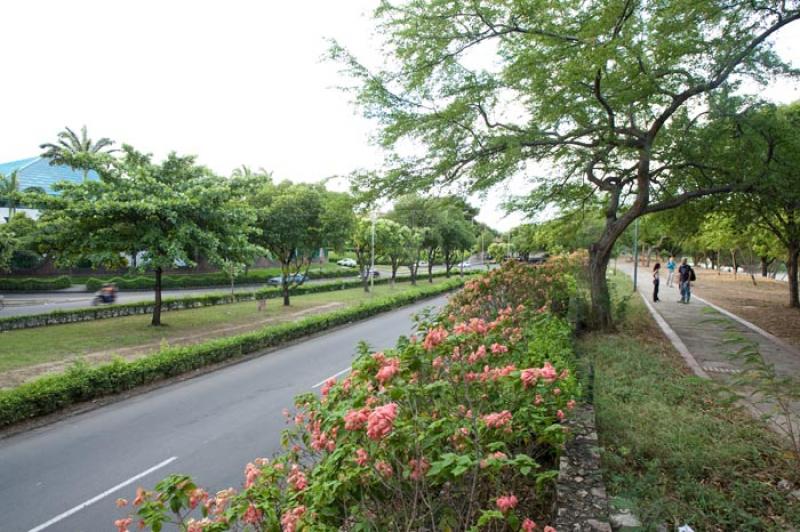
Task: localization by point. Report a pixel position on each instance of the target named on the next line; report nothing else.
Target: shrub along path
(28, 353)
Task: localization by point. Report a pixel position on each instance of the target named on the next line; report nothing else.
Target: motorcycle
(105, 297)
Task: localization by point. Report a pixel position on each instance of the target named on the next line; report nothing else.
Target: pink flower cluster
(381, 421)
(496, 420)
(389, 368)
(361, 457)
(434, 337)
(418, 468)
(290, 519)
(531, 375)
(356, 419)
(384, 468)
(252, 516)
(506, 503)
(498, 349)
(326, 388)
(297, 479)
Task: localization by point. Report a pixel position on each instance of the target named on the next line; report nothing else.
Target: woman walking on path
(656, 281)
(670, 270)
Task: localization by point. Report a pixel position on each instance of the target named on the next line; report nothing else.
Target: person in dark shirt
(656, 281)
(685, 281)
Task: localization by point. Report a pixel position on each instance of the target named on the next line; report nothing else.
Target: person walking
(656, 281)
(685, 275)
(670, 270)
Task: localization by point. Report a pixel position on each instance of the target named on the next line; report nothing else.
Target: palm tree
(69, 144)
(9, 186)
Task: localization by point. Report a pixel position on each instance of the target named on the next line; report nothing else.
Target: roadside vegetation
(457, 428)
(25, 347)
(678, 450)
(83, 382)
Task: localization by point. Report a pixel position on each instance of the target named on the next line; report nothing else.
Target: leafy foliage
(452, 429)
(170, 211)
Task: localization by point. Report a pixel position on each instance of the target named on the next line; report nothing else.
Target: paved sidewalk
(699, 331)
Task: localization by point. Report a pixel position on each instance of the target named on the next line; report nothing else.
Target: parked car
(347, 263)
(294, 278)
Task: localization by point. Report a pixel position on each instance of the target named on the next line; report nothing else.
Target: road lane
(214, 424)
(32, 303)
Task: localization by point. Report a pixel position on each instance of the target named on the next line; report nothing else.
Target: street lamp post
(372, 254)
(635, 252)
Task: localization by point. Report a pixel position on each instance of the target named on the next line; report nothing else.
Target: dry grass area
(764, 304)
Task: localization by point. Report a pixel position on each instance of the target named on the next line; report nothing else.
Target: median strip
(84, 383)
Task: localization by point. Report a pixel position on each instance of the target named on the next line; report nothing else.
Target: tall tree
(168, 211)
(612, 94)
(771, 138)
(8, 245)
(294, 222)
(9, 192)
(455, 237)
(76, 151)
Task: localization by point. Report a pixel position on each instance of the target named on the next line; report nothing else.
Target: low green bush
(31, 283)
(147, 282)
(82, 382)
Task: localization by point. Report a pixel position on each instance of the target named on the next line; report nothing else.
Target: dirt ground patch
(764, 304)
(15, 377)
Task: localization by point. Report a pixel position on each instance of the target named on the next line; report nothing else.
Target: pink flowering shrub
(461, 428)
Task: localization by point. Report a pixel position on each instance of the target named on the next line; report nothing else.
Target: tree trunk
(430, 271)
(285, 284)
(599, 255)
(764, 266)
(792, 270)
(735, 264)
(157, 307)
(395, 265)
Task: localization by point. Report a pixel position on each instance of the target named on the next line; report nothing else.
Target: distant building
(37, 173)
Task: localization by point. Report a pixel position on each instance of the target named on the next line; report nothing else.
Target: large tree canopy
(611, 94)
(295, 221)
(169, 211)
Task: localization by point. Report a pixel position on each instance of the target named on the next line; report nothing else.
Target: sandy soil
(765, 304)
(10, 379)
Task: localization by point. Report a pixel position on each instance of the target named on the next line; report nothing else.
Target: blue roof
(37, 172)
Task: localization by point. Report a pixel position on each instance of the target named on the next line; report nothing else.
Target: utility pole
(635, 252)
(372, 259)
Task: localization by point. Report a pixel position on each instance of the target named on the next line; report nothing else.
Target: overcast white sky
(235, 82)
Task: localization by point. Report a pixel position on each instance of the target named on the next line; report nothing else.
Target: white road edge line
(320, 383)
(106, 493)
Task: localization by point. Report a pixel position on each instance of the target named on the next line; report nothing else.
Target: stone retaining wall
(582, 503)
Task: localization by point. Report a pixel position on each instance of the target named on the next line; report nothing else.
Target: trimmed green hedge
(147, 282)
(83, 383)
(59, 317)
(32, 283)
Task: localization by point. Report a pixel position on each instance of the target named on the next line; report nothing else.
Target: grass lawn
(677, 450)
(40, 345)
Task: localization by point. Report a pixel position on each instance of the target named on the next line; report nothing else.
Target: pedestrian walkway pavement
(701, 332)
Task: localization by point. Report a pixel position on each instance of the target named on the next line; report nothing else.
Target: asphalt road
(209, 427)
(31, 303)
